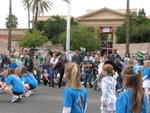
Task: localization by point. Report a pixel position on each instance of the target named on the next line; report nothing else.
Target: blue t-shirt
(76, 99)
(16, 83)
(146, 73)
(3, 78)
(30, 79)
(13, 66)
(23, 79)
(123, 104)
(0, 57)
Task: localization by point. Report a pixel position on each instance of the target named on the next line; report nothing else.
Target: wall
(134, 47)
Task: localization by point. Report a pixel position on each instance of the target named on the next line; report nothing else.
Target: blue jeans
(87, 78)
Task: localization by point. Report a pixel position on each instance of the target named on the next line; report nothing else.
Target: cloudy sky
(78, 8)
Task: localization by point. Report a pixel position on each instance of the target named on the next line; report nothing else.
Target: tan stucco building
(106, 21)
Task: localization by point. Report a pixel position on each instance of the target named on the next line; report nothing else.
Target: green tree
(27, 4)
(54, 27)
(14, 21)
(141, 13)
(139, 29)
(33, 38)
(39, 7)
(81, 37)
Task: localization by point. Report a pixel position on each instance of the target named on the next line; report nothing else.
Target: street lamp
(127, 28)
(10, 25)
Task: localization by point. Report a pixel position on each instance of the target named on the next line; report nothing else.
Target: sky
(78, 8)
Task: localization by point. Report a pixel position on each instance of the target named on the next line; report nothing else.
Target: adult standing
(77, 58)
(88, 65)
(115, 55)
(60, 66)
(28, 63)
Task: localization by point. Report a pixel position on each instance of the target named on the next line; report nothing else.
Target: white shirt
(108, 86)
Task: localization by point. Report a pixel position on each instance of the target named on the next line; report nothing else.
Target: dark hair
(108, 57)
(128, 54)
(134, 81)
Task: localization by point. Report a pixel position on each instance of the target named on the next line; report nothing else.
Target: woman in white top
(108, 87)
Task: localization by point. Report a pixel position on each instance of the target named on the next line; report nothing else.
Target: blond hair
(72, 75)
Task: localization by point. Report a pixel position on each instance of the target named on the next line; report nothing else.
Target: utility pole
(10, 25)
(127, 28)
(68, 31)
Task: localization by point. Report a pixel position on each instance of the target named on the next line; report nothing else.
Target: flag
(66, 1)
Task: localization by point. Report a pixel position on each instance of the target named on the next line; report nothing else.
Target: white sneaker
(20, 97)
(15, 98)
(27, 94)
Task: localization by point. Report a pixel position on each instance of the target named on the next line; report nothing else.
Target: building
(106, 21)
(16, 34)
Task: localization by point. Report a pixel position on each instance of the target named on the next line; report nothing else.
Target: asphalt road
(45, 100)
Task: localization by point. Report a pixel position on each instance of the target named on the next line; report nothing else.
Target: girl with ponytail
(133, 99)
(75, 96)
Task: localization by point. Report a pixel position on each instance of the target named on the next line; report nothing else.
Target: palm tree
(13, 23)
(39, 7)
(26, 3)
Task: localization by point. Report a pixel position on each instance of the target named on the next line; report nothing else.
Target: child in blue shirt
(75, 95)
(146, 78)
(13, 86)
(13, 64)
(3, 76)
(133, 99)
(29, 80)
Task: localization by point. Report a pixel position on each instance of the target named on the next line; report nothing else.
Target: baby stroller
(99, 76)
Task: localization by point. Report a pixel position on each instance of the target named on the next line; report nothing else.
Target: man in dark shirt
(77, 58)
(115, 55)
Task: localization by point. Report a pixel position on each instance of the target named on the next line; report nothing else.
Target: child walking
(133, 99)
(75, 96)
(108, 87)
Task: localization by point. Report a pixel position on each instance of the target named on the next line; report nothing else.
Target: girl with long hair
(133, 99)
(75, 95)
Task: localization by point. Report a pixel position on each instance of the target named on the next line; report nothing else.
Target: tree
(14, 21)
(27, 4)
(38, 7)
(81, 37)
(141, 13)
(54, 27)
(139, 30)
(33, 39)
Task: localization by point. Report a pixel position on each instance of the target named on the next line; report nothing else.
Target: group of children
(136, 94)
(136, 83)
(18, 83)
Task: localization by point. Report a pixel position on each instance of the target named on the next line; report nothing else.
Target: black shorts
(17, 93)
(31, 87)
